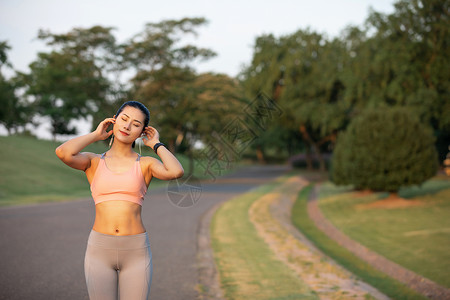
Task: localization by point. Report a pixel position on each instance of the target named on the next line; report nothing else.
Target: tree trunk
(260, 155)
(277, 92)
(393, 196)
(308, 140)
(315, 146)
(172, 145)
(319, 157)
(309, 163)
(191, 165)
(180, 137)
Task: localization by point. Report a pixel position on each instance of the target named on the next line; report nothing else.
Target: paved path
(42, 246)
(416, 282)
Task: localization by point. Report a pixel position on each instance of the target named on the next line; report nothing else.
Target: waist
(118, 217)
(119, 242)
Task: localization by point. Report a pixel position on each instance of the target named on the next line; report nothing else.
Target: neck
(121, 149)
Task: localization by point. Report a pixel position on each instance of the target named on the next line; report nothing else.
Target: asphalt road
(42, 246)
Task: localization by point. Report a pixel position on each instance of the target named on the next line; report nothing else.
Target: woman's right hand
(101, 132)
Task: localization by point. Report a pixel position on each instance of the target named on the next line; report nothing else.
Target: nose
(127, 125)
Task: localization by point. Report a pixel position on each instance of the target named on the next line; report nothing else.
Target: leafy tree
(218, 99)
(158, 46)
(69, 82)
(216, 102)
(4, 47)
(408, 61)
(302, 73)
(171, 99)
(383, 150)
(396, 60)
(14, 111)
(163, 77)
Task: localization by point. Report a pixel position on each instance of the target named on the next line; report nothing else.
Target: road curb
(208, 285)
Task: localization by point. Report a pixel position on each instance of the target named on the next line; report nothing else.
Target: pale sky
(231, 31)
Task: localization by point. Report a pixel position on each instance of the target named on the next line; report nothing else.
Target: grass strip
(247, 267)
(414, 233)
(348, 260)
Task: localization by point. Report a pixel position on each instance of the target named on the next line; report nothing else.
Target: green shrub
(383, 150)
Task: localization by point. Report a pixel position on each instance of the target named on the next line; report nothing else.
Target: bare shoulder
(150, 163)
(93, 159)
(91, 155)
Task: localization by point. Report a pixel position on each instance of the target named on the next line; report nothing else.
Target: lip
(124, 133)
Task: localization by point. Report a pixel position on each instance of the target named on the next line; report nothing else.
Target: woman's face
(129, 124)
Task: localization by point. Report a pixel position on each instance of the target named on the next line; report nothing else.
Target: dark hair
(139, 106)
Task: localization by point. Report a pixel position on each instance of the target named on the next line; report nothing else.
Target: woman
(118, 259)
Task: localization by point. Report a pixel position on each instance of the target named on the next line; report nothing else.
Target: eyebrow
(134, 119)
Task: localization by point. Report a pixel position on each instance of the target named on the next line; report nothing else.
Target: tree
(158, 46)
(410, 58)
(302, 73)
(69, 82)
(396, 60)
(163, 77)
(383, 150)
(14, 111)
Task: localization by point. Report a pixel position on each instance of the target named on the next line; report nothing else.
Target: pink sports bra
(108, 185)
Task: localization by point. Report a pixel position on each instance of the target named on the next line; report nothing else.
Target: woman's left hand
(151, 136)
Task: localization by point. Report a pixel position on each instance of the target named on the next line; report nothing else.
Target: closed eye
(137, 125)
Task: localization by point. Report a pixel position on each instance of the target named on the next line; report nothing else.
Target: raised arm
(170, 168)
(69, 152)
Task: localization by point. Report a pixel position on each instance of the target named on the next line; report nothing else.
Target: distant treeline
(318, 84)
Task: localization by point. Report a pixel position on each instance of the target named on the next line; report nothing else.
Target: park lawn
(247, 267)
(381, 281)
(414, 236)
(30, 171)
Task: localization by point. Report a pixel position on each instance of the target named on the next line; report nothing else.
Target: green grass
(379, 280)
(30, 171)
(247, 267)
(416, 237)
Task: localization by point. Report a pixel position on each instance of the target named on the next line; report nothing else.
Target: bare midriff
(118, 218)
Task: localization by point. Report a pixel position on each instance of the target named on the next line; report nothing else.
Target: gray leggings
(118, 266)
